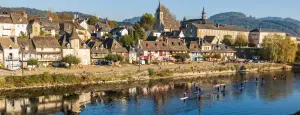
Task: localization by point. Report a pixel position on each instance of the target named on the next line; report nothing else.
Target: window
(10, 47)
(10, 56)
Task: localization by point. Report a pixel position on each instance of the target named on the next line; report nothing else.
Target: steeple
(74, 34)
(203, 14)
(159, 7)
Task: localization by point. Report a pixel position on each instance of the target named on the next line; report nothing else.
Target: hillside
(132, 20)
(41, 13)
(236, 18)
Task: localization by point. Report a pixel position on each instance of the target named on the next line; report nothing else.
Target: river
(162, 97)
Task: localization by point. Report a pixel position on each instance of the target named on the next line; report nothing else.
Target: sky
(123, 9)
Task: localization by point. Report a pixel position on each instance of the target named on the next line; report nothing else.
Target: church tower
(159, 17)
(204, 16)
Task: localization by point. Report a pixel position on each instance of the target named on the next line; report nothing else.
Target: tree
(32, 62)
(112, 24)
(297, 57)
(114, 57)
(241, 40)
(277, 48)
(252, 43)
(139, 32)
(147, 21)
(127, 40)
(227, 40)
(51, 14)
(182, 56)
(70, 59)
(93, 20)
(65, 16)
(184, 18)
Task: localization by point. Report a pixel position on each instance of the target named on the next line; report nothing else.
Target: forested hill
(236, 18)
(33, 11)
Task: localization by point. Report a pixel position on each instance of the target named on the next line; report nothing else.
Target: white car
(13, 68)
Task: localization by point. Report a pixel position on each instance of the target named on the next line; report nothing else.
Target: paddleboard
(184, 98)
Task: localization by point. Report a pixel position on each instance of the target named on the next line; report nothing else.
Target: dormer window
(147, 45)
(179, 43)
(173, 43)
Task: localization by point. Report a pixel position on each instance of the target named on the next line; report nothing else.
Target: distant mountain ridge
(287, 25)
(132, 20)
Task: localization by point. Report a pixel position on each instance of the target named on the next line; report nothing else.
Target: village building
(47, 50)
(204, 27)
(9, 51)
(20, 24)
(67, 26)
(115, 47)
(98, 51)
(26, 50)
(258, 35)
(119, 32)
(73, 45)
(6, 25)
(34, 28)
(49, 27)
(164, 20)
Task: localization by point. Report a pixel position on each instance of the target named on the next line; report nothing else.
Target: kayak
(184, 98)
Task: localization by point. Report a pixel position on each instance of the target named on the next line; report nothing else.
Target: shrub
(114, 57)
(150, 71)
(236, 67)
(243, 67)
(182, 56)
(32, 62)
(70, 59)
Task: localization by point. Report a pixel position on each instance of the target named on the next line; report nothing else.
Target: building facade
(164, 20)
(10, 53)
(258, 35)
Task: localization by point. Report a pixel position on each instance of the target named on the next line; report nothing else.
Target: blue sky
(122, 9)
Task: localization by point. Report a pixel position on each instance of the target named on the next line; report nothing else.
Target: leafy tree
(147, 21)
(70, 59)
(114, 57)
(297, 57)
(32, 62)
(93, 20)
(227, 40)
(65, 16)
(139, 32)
(277, 48)
(241, 40)
(127, 40)
(53, 15)
(252, 43)
(112, 24)
(182, 56)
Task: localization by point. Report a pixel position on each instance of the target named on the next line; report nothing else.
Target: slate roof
(45, 42)
(5, 19)
(221, 27)
(19, 19)
(66, 39)
(177, 45)
(5, 42)
(265, 30)
(114, 46)
(193, 46)
(198, 21)
(224, 48)
(209, 39)
(46, 23)
(23, 43)
(97, 46)
(152, 38)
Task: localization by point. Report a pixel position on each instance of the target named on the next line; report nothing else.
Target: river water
(162, 97)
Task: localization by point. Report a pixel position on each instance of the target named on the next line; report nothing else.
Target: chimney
(199, 41)
(218, 25)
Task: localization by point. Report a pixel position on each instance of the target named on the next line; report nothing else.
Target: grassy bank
(51, 80)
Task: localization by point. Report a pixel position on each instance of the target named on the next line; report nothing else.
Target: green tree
(147, 21)
(139, 32)
(51, 14)
(112, 24)
(127, 40)
(70, 59)
(297, 56)
(241, 40)
(227, 40)
(32, 62)
(182, 56)
(64, 16)
(277, 48)
(93, 20)
(114, 57)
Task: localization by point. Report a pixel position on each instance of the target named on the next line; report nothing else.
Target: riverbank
(128, 74)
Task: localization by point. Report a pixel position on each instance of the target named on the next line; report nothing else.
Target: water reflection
(163, 97)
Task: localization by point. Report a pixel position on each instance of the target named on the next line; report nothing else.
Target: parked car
(13, 68)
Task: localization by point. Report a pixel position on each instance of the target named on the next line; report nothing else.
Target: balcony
(12, 58)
